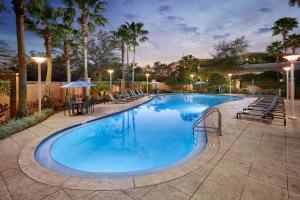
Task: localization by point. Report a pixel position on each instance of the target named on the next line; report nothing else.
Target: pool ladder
(199, 124)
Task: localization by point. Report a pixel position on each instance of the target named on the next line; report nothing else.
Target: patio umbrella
(78, 84)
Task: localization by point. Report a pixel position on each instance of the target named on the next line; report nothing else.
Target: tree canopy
(227, 54)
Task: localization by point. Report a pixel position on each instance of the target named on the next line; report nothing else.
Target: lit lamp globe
(287, 69)
(110, 71)
(292, 58)
(39, 59)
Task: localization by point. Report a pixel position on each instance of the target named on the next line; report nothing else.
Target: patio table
(77, 105)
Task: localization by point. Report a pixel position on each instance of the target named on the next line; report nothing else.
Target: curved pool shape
(147, 138)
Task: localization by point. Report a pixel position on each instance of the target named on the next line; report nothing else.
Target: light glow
(229, 75)
(147, 75)
(292, 58)
(110, 71)
(39, 59)
(287, 69)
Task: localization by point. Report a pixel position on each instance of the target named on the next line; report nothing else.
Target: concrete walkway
(253, 161)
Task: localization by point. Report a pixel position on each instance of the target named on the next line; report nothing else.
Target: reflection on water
(155, 134)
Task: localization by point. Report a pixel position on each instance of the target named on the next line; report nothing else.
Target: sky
(181, 27)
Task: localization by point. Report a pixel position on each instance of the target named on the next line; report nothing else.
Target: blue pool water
(151, 136)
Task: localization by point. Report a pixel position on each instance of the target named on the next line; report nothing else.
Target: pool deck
(251, 161)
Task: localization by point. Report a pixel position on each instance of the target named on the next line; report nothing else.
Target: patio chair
(135, 97)
(114, 100)
(86, 107)
(121, 98)
(139, 93)
(266, 111)
(135, 94)
(68, 107)
(127, 96)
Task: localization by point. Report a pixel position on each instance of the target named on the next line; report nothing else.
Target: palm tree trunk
(85, 58)
(123, 68)
(48, 44)
(277, 61)
(294, 49)
(68, 59)
(284, 44)
(85, 30)
(19, 11)
(133, 66)
(68, 63)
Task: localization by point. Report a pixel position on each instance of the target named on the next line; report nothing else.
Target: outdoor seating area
(265, 108)
(149, 100)
(79, 106)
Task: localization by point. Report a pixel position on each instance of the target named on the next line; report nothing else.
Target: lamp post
(147, 76)
(39, 60)
(192, 77)
(110, 71)
(230, 82)
(287, 69)
(292, 59)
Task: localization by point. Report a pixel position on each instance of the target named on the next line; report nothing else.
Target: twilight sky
(180, 27)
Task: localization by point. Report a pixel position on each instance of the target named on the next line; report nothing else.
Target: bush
(16, 125)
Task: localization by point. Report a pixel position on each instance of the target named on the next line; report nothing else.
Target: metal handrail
(197, 126)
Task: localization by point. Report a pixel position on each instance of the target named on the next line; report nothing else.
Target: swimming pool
(147, 138)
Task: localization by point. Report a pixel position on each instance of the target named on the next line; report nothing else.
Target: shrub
(16, 125)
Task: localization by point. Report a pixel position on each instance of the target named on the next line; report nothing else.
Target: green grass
(16, 125)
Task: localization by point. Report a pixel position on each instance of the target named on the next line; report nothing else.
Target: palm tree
(90, 15)
(19, 9)
(283, 26)
(137, 35)
(122, 35)
(293, 41)
(275, 49)
(66, 36)
(2, 6)
(294, 3)
(42, 21)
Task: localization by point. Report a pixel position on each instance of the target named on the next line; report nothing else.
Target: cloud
(155, 45)
(218, 37)
(130, 16)
(128, 2)
(164, 9)
(265, 29)
(187, 29)
(265, 10)
(175, 18)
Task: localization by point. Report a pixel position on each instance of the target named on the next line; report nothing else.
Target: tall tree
(90, 15)
(2, 6)
(103, 55)
(122, 35)
(42, 21)
(293, 42)
(275, 49)
(294, 3)
(282, 27)
(228, 54)
(66, 36)
(137, 35)
(19, 9)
